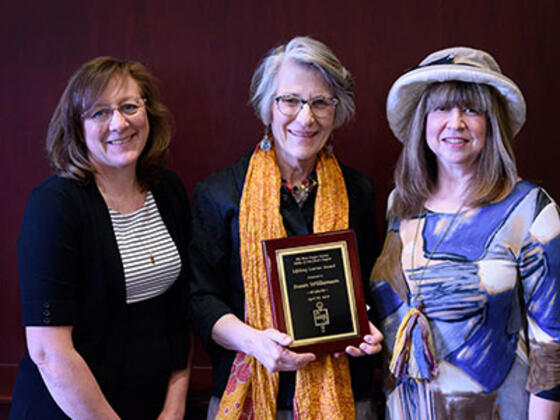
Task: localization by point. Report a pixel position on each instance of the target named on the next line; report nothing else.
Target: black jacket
(217, 284)
(71, 274)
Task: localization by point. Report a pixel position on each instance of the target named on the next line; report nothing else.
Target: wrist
(249, 339)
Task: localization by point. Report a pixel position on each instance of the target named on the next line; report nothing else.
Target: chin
(126, 163)
(307, 151)
(306, 156)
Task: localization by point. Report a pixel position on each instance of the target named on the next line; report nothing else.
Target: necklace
(152, 259)
(146, 225)
(139, 231)
(440, 240)
(414, 335)
(301, 192)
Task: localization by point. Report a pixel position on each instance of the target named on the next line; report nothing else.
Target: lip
(120, 140)
(303, 134)
(455, 141)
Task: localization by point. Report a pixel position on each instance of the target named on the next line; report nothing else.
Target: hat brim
(407, 90)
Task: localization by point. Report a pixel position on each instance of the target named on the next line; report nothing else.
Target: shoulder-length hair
(495, 172)
(66, 146)
(306, 51)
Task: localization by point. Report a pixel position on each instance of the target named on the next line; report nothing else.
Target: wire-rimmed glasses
(103, 114)
(291, 105)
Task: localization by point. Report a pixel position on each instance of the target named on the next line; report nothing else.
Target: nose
(305, 115)
(117, 121)
(455, 119)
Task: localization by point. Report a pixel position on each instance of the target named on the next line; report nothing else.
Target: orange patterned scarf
(323, 387)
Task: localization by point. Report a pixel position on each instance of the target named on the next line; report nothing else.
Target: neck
(451, 191)
(295, 171)
(120, 189)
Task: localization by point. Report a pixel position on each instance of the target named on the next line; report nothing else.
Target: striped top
(149, 256)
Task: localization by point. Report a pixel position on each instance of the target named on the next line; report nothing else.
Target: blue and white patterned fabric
(485, 281)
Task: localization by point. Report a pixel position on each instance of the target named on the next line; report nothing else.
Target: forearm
(74, 388)
(233, 334)
(269, 347)
(176, 398)
(542, 409)
(177, 388)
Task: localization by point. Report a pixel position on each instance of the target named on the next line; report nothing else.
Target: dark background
(204, 53)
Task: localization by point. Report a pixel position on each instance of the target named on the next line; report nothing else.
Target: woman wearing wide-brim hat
(467, 286)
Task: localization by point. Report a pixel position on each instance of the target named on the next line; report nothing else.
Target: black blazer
(217, 284)
(71, 274)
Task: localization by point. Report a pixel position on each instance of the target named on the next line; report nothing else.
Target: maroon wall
(204, 52)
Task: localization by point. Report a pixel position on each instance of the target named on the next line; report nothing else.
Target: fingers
(363, 349)
(274, 354)
(279, 337)
(294, 361)
(355, 351)
(372, 343)
(375, 333)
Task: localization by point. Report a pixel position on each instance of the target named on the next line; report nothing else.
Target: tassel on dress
(414, 350)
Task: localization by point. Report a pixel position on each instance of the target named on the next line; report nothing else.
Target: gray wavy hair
(307, 51)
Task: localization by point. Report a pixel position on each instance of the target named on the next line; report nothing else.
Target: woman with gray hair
(466, 288)
(291, 184)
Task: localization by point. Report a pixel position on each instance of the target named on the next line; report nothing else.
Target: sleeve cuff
(47, 313)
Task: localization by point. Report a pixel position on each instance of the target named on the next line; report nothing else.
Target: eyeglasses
(291, 105)
(102, 115)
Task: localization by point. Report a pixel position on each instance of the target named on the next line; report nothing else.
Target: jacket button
(46, 305)
(46, 321)
(46, 312)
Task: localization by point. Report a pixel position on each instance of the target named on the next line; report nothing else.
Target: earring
(330, 146)
(266, 145)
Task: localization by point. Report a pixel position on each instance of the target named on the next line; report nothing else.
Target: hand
(270, 348)
(370, 345)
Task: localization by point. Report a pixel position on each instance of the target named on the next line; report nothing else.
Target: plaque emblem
(321, 316)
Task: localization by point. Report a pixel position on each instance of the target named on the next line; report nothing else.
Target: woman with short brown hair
(101, 258)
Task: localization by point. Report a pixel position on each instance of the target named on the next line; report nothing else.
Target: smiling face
(456, 135)
(116, 144)
(299, 138)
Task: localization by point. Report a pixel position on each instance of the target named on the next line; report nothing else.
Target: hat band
(448, 59)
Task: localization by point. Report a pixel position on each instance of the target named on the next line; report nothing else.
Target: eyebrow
(299, 96)
(102, 104)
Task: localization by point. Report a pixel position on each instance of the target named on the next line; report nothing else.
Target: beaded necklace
(301, 192)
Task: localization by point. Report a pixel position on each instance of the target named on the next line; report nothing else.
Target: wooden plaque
(316, 290)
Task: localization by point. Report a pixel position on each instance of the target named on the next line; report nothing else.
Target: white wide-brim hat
(451, 64)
